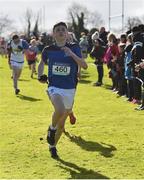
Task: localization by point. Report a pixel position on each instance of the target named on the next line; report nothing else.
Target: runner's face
(16, 41)
(60, 33)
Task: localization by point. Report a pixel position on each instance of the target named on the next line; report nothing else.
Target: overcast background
(56, 10)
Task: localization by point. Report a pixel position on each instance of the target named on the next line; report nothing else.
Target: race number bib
(61, 70)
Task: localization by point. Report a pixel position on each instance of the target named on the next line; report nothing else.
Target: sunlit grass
(106, 142)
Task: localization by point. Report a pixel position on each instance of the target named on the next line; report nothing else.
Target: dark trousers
(143, 97)
(130, 87)
(137, 89)
(122, 85)
(141, 76)
(100, 71)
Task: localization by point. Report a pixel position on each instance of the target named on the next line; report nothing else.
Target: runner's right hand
(43, 78)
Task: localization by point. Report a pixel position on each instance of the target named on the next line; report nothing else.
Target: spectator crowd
(123, 56)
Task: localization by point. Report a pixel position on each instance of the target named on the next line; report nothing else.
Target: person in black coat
(97, 53)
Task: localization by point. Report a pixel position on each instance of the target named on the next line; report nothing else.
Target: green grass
(106, 142)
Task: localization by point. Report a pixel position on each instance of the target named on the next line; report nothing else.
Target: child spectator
(83, 45)
(128, 69)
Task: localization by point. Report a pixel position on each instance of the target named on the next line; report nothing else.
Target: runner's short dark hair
(15, 36)
(60, 24)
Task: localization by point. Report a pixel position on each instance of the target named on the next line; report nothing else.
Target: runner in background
(16, 49)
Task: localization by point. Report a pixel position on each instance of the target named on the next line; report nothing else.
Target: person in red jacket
(110, 58)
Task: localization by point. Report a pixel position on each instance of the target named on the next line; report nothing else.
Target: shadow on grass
(107, 86)
(77, 172)
(26, 67)
(84, 76)
(34, 78)
(83, 81)
(105, 150)
(27, 98)
(24, 80)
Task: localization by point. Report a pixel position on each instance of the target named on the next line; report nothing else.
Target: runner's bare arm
(9, 55)
(40, 68)
(80, 61)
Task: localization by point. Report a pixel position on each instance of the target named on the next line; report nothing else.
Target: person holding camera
(16, 49)
(63, 60)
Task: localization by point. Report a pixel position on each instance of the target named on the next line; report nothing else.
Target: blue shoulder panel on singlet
(25, 44)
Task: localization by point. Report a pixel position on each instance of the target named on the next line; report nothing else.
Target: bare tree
(76, 18)
(28, 16)
(80, 18)
(75, 10)
(31, 21)
(77, 25)
(5, 23)
(90, 18)
(133, 21)
(142, 19)
(36, 27)
(95, 20)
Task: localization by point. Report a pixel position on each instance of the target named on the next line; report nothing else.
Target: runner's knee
(60, 112)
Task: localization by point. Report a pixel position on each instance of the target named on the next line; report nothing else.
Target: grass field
(107, 141)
